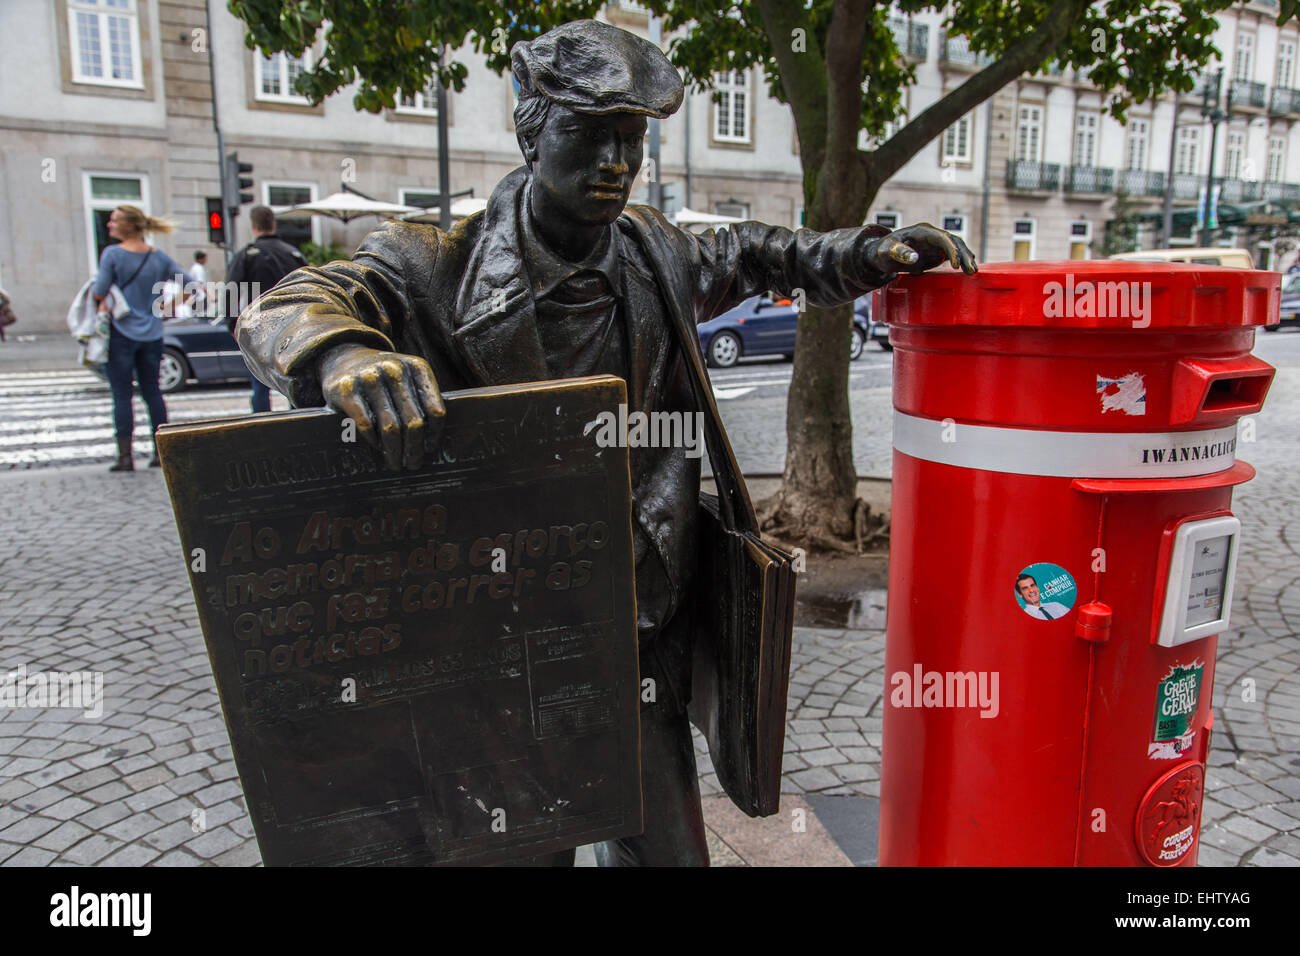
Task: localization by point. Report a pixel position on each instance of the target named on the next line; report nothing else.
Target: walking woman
(135, 343)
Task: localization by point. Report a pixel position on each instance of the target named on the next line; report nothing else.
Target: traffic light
(237, 182)
(216, 221)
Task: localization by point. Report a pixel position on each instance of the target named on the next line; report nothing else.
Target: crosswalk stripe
(59, 418)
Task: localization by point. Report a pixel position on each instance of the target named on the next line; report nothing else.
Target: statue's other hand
(917, 248)
(392, 397)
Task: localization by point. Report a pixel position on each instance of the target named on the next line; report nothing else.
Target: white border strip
(1059, 454)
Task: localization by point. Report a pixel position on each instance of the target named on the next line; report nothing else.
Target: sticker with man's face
(1045, 591)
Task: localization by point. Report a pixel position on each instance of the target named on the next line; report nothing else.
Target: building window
(1276, 159)
(887, 219)
(737, 210)
(731, 108)
(1243, 67)
(1080, 240)
(104, 192)
(1236, 148)
(1139, 132)
(1029, 134)
(957, 141)
(425, 102)
(1085, 139)
(280, 196)
(955, 224)
(1189, 138)
(1022, 240)
(1285, 62)
(276, 75)
(866, 142)
(105, 38)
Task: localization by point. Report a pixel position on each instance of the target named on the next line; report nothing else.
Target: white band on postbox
(1066, 454)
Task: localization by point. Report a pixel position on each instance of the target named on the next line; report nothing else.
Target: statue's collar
(547, 269)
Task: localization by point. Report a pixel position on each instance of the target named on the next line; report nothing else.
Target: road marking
(726, 393)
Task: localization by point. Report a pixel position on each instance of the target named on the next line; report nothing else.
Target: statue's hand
(923, 246)
(392, 397)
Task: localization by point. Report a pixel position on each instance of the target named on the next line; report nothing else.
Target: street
(91, 578)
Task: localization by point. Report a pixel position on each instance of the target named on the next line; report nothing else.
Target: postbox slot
(1235, 394)
(1206, 391)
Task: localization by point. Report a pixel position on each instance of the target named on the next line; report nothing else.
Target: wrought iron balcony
(1187, 185)
(1246, 93)
(918, 43)
(956, 51)
(1140, 182)
(1204, 81)
(1240, 190)
(1281, 191)
(1030, 176)
(1089, 179)
(912, 38)
(1284, 101)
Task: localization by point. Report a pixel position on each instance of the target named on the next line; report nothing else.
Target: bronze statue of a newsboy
(557, 279)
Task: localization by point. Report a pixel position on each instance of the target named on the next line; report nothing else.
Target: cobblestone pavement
(91, 578)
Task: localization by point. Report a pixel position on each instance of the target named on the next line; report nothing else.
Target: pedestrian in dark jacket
(255, 269)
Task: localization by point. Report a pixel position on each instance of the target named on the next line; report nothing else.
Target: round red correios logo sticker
(1169, 816)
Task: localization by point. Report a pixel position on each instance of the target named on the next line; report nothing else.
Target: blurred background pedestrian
(254, 270)
(141, 273)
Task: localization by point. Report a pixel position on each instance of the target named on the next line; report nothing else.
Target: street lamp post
(1210, 111)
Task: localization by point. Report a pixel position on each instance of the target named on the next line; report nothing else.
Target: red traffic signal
(216, 221)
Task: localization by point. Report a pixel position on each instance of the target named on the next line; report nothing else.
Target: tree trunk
(816, 503)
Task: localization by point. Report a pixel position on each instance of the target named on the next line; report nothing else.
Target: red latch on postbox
(1093, 622)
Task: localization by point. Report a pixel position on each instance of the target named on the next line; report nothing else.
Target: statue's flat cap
(593, 67)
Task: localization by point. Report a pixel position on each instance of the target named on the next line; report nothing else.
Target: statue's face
(586, 164)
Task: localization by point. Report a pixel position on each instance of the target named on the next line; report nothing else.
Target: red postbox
(1062, 557)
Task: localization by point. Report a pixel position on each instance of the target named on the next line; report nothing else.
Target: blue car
(1289, 308)
(762, 325)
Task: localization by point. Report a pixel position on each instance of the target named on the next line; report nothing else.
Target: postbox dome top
(1101, 294)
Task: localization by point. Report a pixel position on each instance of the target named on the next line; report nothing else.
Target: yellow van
(1232, 258)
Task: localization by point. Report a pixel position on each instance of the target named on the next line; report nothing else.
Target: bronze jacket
(463, 301)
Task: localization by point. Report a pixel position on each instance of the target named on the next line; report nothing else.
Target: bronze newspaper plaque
(436, 666)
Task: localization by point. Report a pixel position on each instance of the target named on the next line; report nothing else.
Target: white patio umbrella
(693, 217)
(461, 208)
(345, 207)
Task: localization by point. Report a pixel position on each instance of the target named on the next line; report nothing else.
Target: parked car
(1289, 307)
(201, 350)
(1226, 256)
(762, 325)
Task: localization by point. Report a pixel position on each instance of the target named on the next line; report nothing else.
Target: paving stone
(177, 858)
(149, 798)
(134, 854)
(92, 849)
(172, 835)
(1252, 830)
(146, 778)
(30, 856)
(1270, 857)
(28, 829)
(218, 793)
(62, 836)
(68, 808)
(825, 757)
(214, 842)
(246, 854)
(131, 828)
(815, 778)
